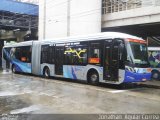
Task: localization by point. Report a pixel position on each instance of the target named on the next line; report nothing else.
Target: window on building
(111, 6)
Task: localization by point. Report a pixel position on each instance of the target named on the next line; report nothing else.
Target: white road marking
(7, 93)
(117, 91)
(120, 91)
(51, 95)
(26, 110)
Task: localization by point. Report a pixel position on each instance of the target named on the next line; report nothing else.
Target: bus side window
(45, 54)
(51, 54)
(23, 54)
(95, 53)
(18, 53)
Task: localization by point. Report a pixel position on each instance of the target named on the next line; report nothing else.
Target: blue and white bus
(108, 57)
(154, 59)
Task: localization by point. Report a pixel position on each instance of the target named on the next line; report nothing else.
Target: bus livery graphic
(78, 53)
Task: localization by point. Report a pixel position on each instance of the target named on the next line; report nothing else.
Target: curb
(151, 84)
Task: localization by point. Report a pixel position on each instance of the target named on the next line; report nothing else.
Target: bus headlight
(149, 70)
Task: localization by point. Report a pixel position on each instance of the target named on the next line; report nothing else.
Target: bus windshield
(138, 53)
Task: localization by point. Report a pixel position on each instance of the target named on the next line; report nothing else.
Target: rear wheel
(93, 77)
(46, 72)
(13, 69)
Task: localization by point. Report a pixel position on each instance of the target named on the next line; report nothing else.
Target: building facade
(61, 18)
(130, 12)
(18, 22)
(76, 17)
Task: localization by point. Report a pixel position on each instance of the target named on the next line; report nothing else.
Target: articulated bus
(108, 57)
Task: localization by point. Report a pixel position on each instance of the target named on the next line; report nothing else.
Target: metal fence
(111, 6)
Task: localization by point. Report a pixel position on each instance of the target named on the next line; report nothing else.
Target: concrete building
(137, 17)
(18, 22)
(61, 18)
(77, 17)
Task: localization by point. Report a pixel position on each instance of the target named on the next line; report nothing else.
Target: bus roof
(103, 35)
(26, 43)
(98, 36)
(154, 48)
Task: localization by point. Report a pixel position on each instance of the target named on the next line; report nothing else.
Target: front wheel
(156, 75)
(46, 72)
(93, 78)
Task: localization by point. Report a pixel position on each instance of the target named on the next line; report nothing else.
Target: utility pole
(44, 21)
(68, 18)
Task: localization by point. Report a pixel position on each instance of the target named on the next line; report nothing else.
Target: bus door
(59, 58)
(111, 62)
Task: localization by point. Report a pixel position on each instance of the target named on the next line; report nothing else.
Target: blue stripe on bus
(136, 77)
(68, 72)
(73, 73)
(21, 66)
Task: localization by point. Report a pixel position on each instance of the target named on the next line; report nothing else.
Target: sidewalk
(151, 83)
(5, 71)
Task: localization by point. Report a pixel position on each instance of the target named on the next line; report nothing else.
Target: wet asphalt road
(20, 94)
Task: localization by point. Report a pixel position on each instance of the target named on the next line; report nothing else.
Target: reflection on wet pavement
(9, 103)
(28, 94)
(26, 110)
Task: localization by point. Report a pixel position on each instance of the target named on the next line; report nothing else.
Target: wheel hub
(94, 77)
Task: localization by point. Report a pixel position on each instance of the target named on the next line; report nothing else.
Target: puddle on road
(8, 103)
(22, 102)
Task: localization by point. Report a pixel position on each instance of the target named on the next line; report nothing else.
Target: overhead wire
(77, 14)
(36, 7)
(72, 15)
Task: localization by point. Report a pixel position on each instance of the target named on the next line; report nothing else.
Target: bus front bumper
(136, 77)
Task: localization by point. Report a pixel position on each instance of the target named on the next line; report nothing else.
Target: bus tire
(155, 75)
(46, 72)
(13, 69)
(93, 77)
